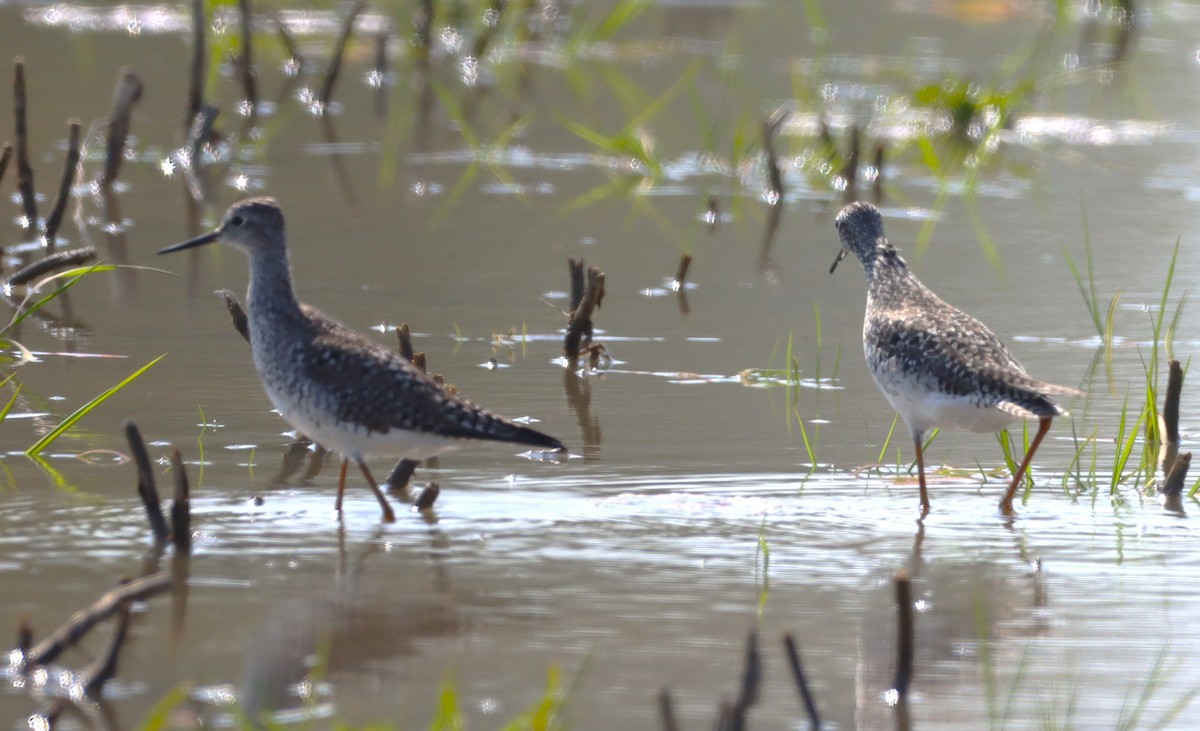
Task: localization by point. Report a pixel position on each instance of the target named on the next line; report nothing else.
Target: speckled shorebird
(937, 365)
(336, 386)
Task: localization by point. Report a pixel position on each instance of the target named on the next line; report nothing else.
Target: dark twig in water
(578, 281)
(100, 671)
(145, 486)
(246, 59)
(419, 361)
(666, 710)
(793, 656)
(402, 473)
(24, 635)
(751, 678)
(200, 132)
(70, 169)
(827, 143)
(579, 326)
(5, 157)
(24, 169)
(127, 94)
(877, 184)
(54, 262)
(904, 633)
(381, 70)
(199, 62)
(236, 313)
(1172, 487)
(849, 172)
(681, 272)
(335, 62)
(484, 39)
(404, 339)
(293, 51)
(712, 214)
(775, 190)
(68, 634)
(428, 496)
(181, 508)
(1168, 425)
(423, 30)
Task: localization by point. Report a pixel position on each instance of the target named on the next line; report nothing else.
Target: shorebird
(335, 385)
(935, 364)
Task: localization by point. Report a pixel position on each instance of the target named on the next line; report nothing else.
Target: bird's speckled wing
(380, 390)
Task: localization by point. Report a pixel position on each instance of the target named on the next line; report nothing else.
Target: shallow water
(694, 508)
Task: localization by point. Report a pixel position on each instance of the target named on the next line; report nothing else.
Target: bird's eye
(236, 221)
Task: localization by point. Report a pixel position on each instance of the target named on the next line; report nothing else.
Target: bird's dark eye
(236, 221)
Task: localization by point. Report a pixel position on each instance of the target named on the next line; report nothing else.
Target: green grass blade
(42, 444)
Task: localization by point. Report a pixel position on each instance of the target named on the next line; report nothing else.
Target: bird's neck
(884, 260)
(270, 294)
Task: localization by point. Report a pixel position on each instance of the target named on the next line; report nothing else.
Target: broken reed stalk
(181, 508)
(428, 496)
(100, 671)
(404, 338)
(78, 625)
(793, 656)
(732, 716)
(246, 60)
(240, 322)
(53, 262)
(5, 157)
(423, 30)
(666, 710)
(849, 171)
(24, 169)
(381, 70)
(199, 61)
(403, 471)
(145, 485)
(289, 43)
(770, 127)
(1169, 417)
(877, 184)
(681, 272)
(579, 326)
(335, 63)
(904, 633)
(70, 170)
(125, 96)
(1172, 486)
(199, 132)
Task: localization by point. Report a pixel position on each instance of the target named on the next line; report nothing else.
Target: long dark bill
(841, 255)
(201, 240)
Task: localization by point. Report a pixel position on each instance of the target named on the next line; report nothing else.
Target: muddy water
(694, 508)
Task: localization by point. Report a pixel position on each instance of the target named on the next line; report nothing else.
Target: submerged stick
(685, 263)
(666, 710)
(877, 184)
(125, 96)
(53, 262)
(849, 172)
(5, 157)
(199, 61)
(69, 633)
(423, 30)
(579, 326)
(181, 508)
(335, 62)
(1168, 425)
(296, 61)
(404, 338)
(428, 496)
(145, 485)
(94, 676)
(24, 169)
(904, 633)
(1172, 487)
(793, 656)
(245, 60)
(70, 169)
